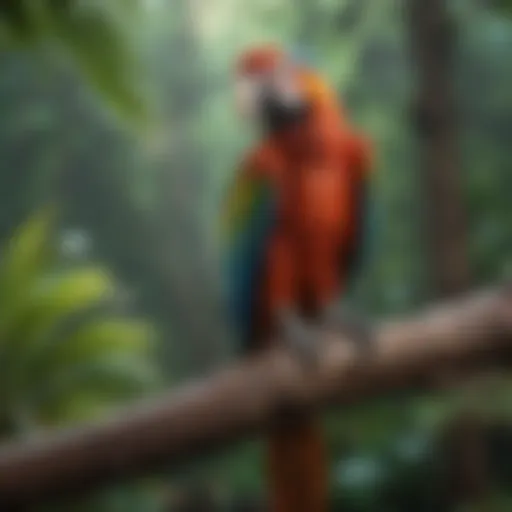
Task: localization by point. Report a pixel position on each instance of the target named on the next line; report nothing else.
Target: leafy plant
(63, 355)
(90, 32)
(505, 6)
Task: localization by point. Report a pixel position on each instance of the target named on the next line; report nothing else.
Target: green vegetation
(92, 33)
(64, 356)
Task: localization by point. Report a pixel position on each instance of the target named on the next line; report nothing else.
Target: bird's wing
(248, 219)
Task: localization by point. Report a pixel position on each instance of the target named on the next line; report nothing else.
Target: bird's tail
(298, 469)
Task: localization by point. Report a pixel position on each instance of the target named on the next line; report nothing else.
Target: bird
(294, 221)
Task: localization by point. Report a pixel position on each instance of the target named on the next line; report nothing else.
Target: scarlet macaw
(295, 216)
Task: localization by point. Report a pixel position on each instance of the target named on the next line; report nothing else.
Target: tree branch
(246, 399)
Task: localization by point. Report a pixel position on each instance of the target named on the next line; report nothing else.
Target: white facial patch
(247, 93)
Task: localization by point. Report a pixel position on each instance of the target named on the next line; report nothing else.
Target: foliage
(63, 356)
(90, 32)
(504, 6)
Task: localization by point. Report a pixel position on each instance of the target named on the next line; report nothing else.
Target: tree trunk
(433, 34)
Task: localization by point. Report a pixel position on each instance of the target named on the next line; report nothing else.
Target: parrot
(294, 220)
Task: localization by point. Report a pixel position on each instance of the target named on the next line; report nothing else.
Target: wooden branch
(249, 397)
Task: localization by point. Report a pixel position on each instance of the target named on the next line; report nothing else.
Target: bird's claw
(300, 337)
(356, 327)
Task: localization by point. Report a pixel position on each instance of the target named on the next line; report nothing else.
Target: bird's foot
(300, 337)
(355, 326)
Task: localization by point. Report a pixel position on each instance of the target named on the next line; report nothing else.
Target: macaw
(294, 219)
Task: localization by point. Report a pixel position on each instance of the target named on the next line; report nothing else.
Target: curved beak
(275, 100)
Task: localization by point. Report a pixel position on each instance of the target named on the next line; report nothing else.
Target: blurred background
(118, 137)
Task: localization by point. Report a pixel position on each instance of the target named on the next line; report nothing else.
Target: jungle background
(118, 137)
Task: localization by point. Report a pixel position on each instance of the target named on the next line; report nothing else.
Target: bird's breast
(316, 198)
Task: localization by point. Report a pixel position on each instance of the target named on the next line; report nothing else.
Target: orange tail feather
(298, 468)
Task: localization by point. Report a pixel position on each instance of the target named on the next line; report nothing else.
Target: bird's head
(276, 90)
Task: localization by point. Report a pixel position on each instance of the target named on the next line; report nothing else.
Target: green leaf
(111, 378)
(61, 296)
(27, 255)
(16, 20)
(51, 302)
(97, 45)
(95, 341)
(503, 6)
(91, 35)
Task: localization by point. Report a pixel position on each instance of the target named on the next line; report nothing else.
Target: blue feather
(245, 253)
